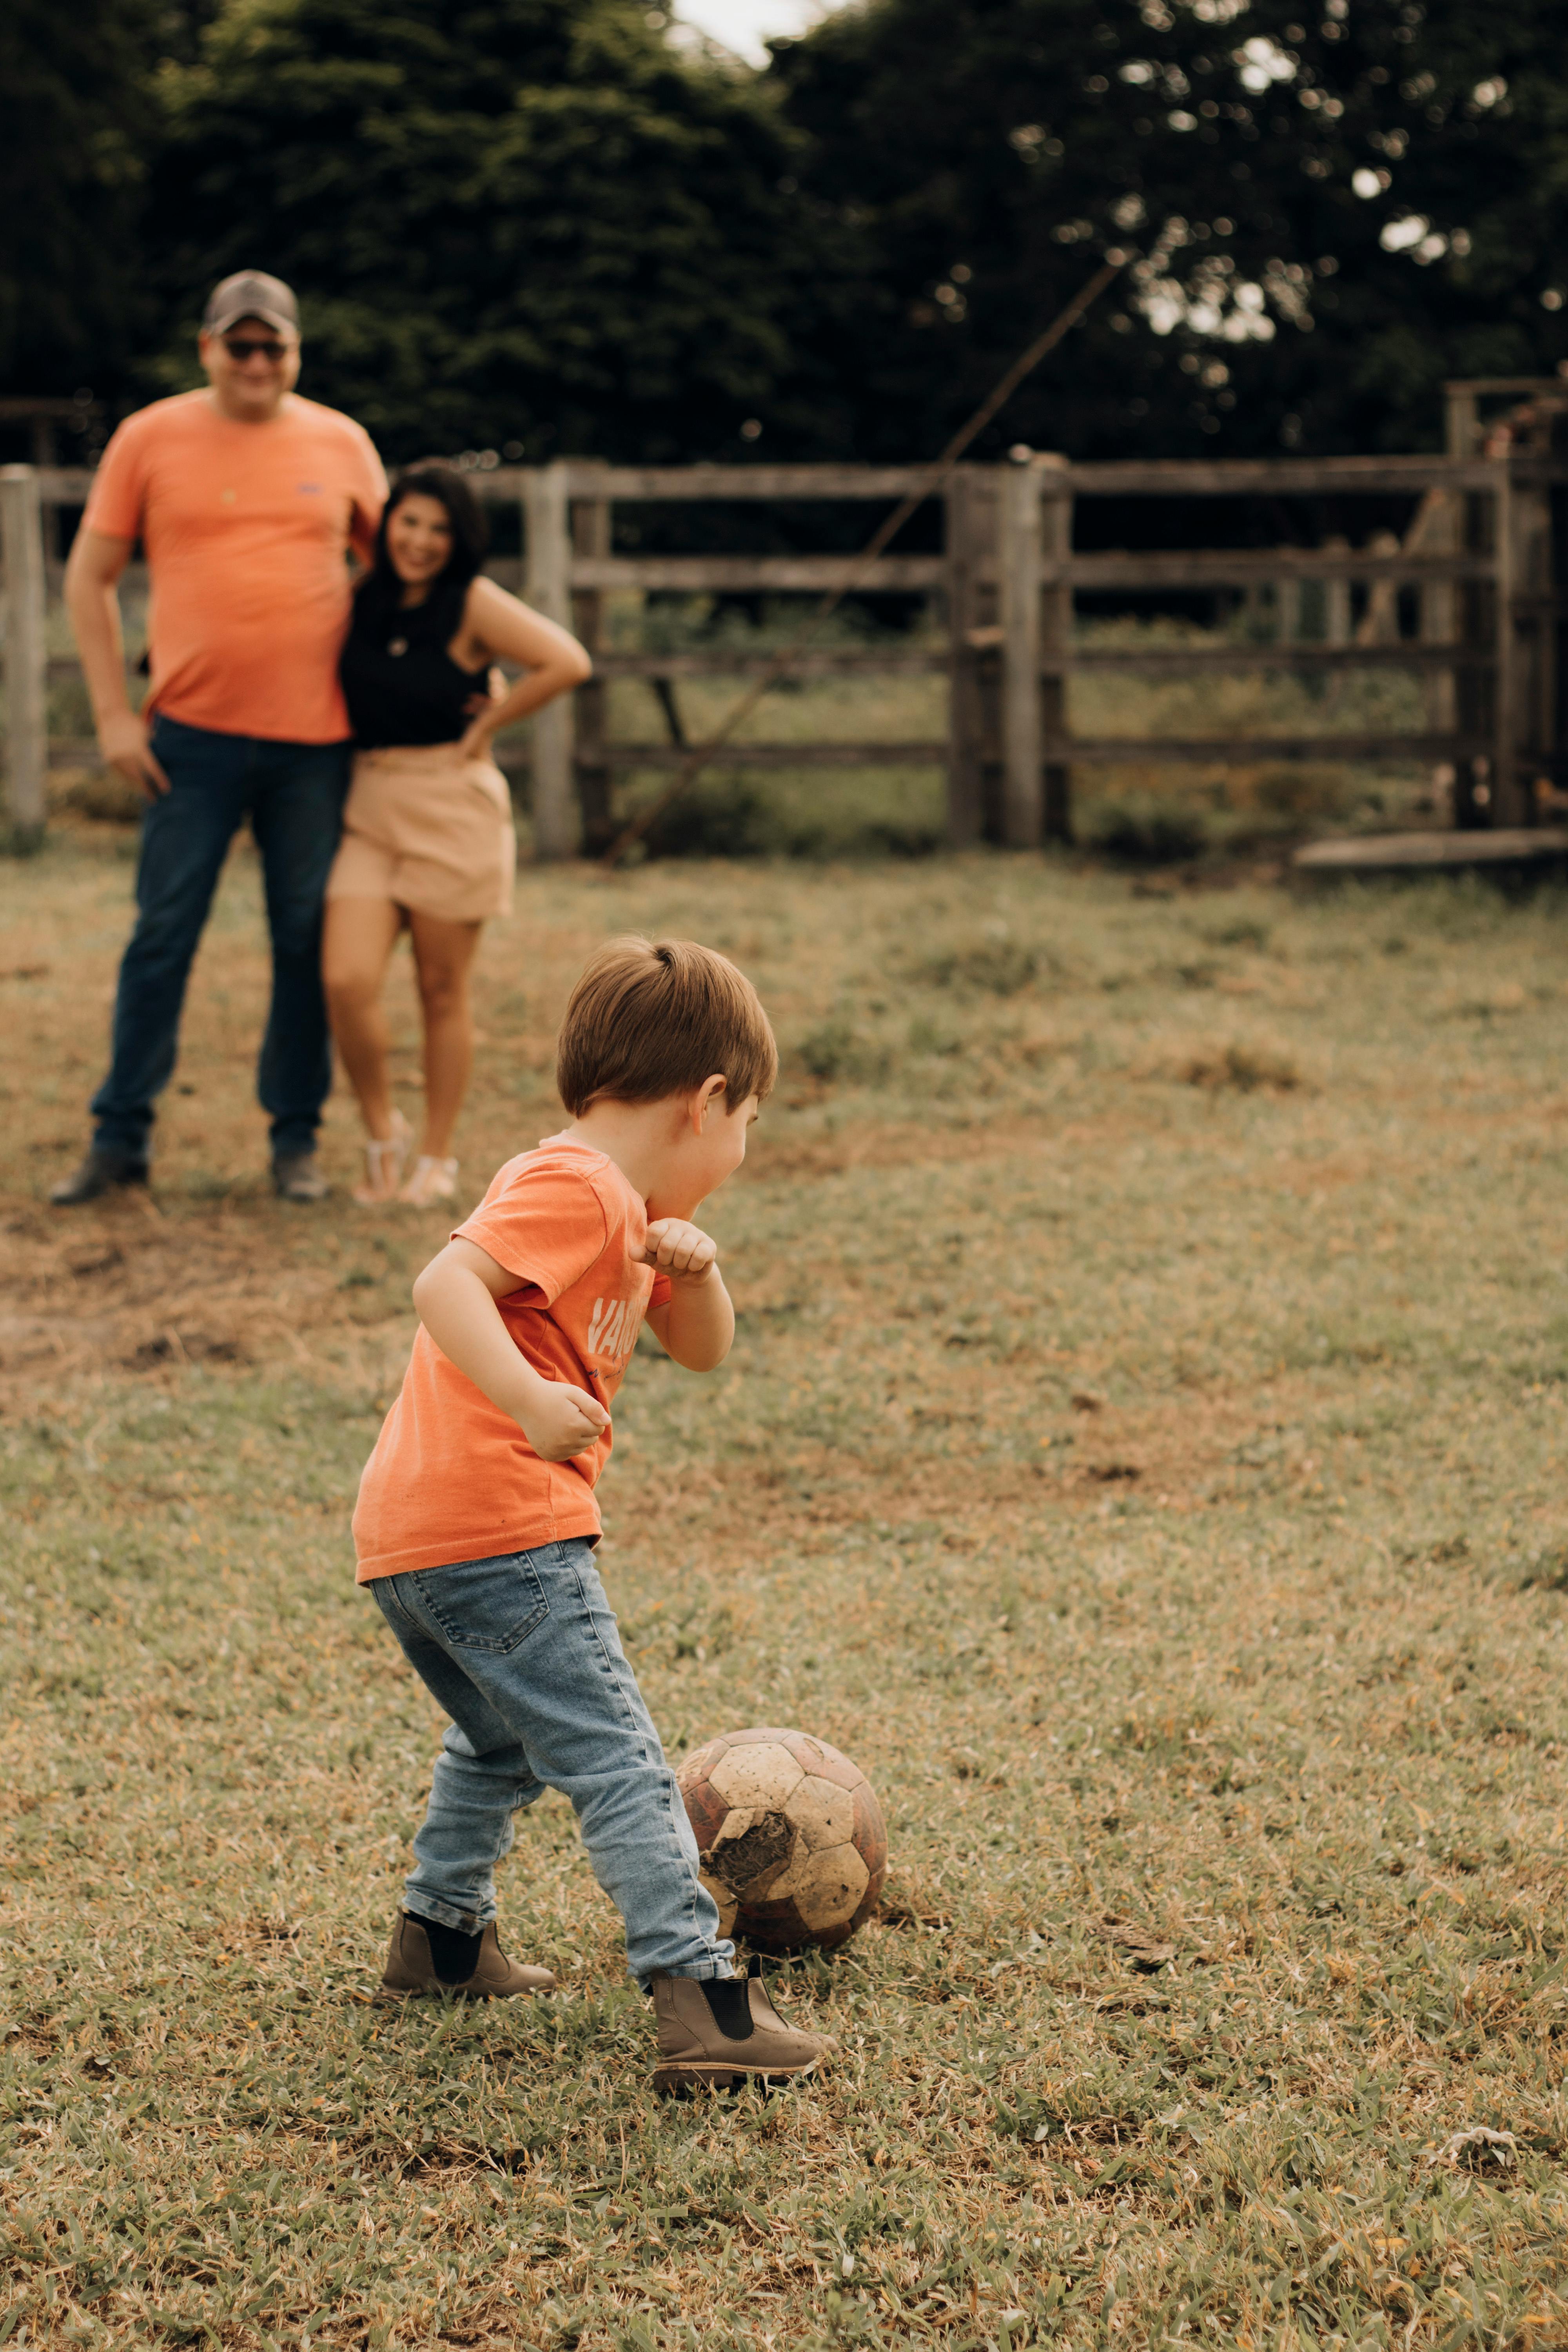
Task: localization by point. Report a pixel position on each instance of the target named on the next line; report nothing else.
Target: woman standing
(428, 834)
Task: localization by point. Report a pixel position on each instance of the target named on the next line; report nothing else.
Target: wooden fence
(1480, 566)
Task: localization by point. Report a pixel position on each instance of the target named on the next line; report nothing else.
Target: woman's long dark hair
(380, 593)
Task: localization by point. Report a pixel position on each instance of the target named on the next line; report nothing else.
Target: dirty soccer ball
(794, 1849)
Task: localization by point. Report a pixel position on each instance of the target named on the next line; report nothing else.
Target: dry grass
(1155, 1485)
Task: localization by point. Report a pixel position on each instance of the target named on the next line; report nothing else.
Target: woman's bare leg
(357, 941)
(443, 955)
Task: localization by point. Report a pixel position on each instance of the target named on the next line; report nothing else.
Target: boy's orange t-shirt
(452, 1477)
(247, 529)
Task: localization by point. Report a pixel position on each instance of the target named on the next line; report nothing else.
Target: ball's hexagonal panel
(702, 1760)
(870, 1832)
(706, 1810)
(826, 1888)
(758, 1731)
(766, 1775)
(779, 1927)
(824, 1762)
(823, 1813)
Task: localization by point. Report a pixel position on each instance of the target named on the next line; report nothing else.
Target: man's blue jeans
(523, 1653)
(293, 795)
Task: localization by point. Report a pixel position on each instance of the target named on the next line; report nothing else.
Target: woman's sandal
(432, 1179)
(383, 1164)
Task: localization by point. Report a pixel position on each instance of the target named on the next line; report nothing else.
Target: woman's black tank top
(399, 681)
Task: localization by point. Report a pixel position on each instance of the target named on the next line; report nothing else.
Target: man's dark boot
(426, 1958)
(99, 1172)
(720, 2033)
(296, 1177)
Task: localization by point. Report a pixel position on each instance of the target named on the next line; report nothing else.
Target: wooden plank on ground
(1392, 853)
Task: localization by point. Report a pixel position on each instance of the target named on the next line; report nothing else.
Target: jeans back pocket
(484, 1604)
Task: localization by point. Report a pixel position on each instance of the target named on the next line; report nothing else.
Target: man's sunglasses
(248, 347)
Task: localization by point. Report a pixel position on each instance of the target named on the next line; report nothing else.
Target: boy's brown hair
(655, 1017)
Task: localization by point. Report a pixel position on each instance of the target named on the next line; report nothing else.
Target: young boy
(477, 1519)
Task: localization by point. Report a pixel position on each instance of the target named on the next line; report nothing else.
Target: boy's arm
(697, 1324)
(456, 1297)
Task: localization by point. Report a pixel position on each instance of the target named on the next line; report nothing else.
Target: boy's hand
(563, 1421)
(682, 1251)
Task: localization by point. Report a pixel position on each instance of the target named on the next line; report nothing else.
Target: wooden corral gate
(1481, 568)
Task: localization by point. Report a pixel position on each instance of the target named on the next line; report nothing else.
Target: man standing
(247, 500)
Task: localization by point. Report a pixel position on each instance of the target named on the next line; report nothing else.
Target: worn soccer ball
(791, 1835)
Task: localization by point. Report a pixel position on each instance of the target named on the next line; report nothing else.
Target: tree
(511, 222)
(75, 102)
(1326, 218)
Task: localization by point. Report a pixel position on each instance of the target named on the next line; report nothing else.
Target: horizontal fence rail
(1475, 569)
(1215, 751)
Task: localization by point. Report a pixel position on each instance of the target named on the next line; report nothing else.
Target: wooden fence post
(1506, 800)
(548, 571)
(1337, 628)
(1435, 530)
(1525, 713)
(26, 651)
(1461, 420)
(1056, 645)
(1534, 632)
(1023, 740)
(591, 536)
(965, 749)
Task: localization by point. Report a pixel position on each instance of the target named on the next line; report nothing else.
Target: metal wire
(934, 477)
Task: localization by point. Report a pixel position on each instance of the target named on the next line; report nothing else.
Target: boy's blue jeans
(293, 795)
(523, 1653)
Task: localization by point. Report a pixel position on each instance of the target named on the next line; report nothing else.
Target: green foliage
(975, 165)
(73, 105)
(533, 223)
(509, 220)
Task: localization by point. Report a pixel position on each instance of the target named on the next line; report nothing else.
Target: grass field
(1142, 1451)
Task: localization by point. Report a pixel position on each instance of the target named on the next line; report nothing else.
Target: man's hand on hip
(123, 739)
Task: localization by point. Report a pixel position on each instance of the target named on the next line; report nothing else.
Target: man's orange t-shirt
(452, 1477)
(247, 529)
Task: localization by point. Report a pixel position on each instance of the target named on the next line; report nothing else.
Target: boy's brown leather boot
(724, 2031)
(411, 1968)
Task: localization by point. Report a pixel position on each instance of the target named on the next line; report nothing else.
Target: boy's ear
(710, 1091)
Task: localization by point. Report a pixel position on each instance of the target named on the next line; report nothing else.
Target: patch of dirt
(124, 1285)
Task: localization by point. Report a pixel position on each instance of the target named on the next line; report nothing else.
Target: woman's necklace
(398, 645)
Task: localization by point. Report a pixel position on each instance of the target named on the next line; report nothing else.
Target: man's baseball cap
(251, 294)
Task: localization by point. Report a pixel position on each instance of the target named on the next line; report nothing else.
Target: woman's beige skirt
(429, 830)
